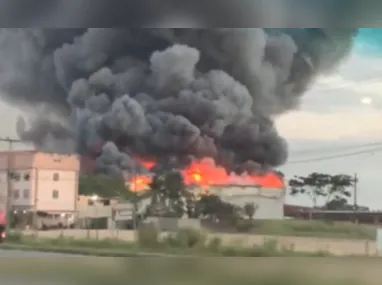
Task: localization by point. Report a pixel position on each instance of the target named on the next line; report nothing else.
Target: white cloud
(335, 107)
(345, 123)
(332, 114)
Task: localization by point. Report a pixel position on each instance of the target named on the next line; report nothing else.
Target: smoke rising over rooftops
(164, 94)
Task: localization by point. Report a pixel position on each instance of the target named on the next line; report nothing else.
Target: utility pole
(8, 205)
(355, 190)
(135, 199)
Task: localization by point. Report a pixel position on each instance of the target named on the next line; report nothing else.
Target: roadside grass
(185, 242)
(301, 228)
(197, 270)
(219, 271)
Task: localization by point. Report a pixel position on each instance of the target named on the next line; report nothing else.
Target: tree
(209, 205)
(175, 192)
(319, 185)
(215, 208)
(103, 186)
(338, 189)
(158, 193)
(168, 195)
(250, 209)
(338, 204)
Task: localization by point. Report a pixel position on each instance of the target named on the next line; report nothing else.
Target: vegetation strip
(185, 243)
(83, 251)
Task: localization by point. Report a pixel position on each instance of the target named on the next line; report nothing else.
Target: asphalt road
(17, 280)
(20, 253)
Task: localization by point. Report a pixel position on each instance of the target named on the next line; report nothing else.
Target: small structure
(269, 201)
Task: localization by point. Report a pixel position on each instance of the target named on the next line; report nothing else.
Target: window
(55, 194)
(26, 194)
(16, 194)
(26, 176)
(14, 176)
(56, 177)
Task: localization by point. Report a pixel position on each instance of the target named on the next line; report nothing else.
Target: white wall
(270, 202)
(22, 185)
(3, 190)
(66, 186)
(97, 210)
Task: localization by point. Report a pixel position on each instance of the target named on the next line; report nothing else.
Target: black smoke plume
(164, 94)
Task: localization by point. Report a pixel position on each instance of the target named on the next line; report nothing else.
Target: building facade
(39, 181)
(269, 201)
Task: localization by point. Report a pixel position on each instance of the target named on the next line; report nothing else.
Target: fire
(147, 164)
(139, 183)
(205, 173)
(197, 177)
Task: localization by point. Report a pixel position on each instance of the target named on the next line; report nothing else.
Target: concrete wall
(17, 159)
(38, 188)
(56, 161)
(173, 224)
(94, 211)
(65, 186)
(3, 190)
(25, 186)
(334, 246)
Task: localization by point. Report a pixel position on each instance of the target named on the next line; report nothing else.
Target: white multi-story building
(38, 181)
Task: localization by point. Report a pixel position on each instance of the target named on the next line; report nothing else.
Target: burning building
(120, 96)
(265, 190)
(204, 177)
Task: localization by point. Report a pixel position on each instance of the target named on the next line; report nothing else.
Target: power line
(349, 147)
(344, 84)
(323, 158)
(11, 140)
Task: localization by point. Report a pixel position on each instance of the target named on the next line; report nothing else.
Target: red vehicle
(3, 224)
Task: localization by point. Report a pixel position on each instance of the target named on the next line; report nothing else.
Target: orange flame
(147, 164)
(139, 183)
(206, 173)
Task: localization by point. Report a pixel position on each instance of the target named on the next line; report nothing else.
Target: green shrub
(270, 245)
(186, 238)
(14, 236)
(244, 226)
(229, 251)
(148, 236)
(214, 244)
(101, 243)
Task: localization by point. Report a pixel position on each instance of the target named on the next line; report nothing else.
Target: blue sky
(331, 116)
(369, 41)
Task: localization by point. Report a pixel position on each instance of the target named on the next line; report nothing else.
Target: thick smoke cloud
(166, 94)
